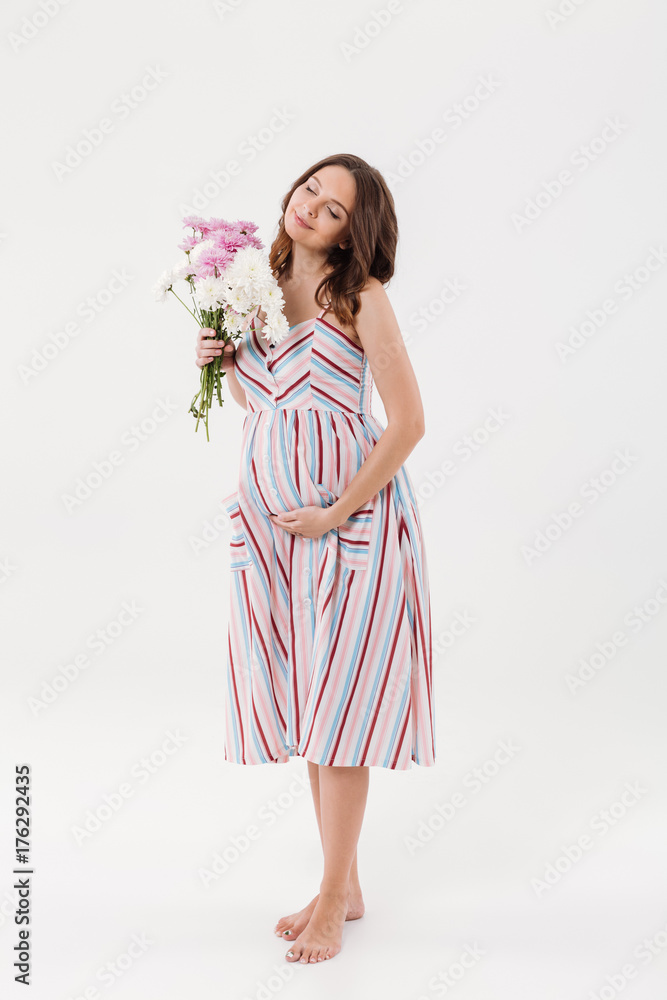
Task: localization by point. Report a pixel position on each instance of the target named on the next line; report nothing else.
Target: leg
(343, 794)
(291, 926)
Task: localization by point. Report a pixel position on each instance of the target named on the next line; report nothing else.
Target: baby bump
(301, 457)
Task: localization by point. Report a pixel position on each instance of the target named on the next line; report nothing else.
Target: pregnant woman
(330, 626)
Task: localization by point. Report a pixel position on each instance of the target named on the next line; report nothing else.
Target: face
(324, 202)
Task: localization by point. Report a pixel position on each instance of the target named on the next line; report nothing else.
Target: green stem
(183, 303)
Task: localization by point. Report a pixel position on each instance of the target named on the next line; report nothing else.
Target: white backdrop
(524, 144)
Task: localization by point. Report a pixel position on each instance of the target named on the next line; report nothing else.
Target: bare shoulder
(374, 302)
(374, 298)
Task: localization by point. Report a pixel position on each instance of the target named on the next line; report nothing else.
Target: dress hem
(284, 758)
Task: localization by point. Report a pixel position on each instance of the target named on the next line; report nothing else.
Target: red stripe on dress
(257, 548)
(366, 638)
(349, 339)
(397, 631)
(237, 707)
(290, 388)
(328, 668)
(254, 381)
(345, 372)
(318, 391)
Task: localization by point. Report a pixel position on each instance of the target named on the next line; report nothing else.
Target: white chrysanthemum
(233, 322)
(162, 285)
(211, 293)
(251, 271)
(276, 327)
(272, 298)
(238, 298)
(182, 269)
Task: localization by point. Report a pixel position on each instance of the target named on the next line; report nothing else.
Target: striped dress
(329, 639)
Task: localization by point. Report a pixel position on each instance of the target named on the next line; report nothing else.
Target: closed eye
(328, 206)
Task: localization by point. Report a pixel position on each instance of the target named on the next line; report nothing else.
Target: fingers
(208, 347)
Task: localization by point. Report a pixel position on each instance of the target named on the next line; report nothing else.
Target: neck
(308, 264)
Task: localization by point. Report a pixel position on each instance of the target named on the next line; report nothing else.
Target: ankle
(340, 889)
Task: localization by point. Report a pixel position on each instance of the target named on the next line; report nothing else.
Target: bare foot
(322, 937)
(290, 927)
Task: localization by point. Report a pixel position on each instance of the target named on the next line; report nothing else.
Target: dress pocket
(351, 539)
(239, 554)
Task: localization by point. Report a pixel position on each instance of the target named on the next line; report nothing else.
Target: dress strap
(322, 311)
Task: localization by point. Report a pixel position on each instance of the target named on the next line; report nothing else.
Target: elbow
(418, 428)
(414, 430)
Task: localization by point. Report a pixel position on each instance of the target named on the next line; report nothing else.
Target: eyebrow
(316, 178)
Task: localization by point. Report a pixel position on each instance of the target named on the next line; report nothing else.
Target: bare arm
(392, 372)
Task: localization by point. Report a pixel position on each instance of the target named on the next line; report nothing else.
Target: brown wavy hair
(373, 238)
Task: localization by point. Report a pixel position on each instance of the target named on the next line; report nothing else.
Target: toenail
(290, 954)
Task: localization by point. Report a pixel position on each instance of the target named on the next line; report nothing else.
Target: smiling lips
(301, 222)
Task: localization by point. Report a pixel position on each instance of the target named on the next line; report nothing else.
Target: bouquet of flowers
(229, 275)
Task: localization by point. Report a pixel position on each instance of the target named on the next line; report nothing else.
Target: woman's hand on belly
(311, 522)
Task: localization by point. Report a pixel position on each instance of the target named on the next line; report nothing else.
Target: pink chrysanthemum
(196, 222)
(244, 226)
(188, 242)
(217, 257)
(214, 225)
(229, 240)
